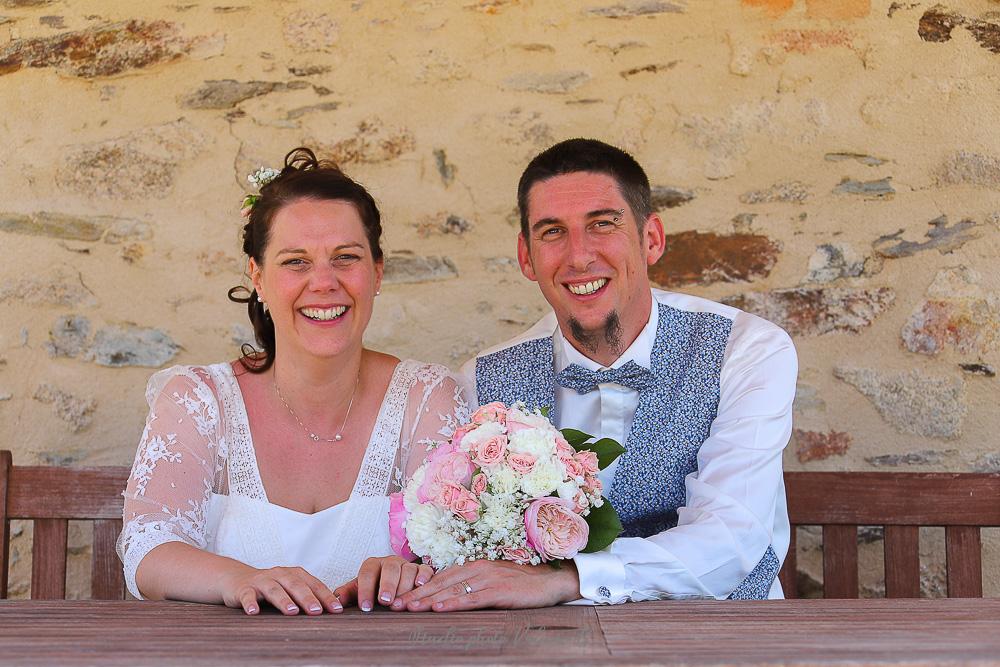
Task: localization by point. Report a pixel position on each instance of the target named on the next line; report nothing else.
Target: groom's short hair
(591, 155)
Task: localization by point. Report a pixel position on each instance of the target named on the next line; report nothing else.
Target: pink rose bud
(580, 502)
(593, 483)
(490, 452)
(459, 435)
(479, 484)
(554, 529)
(397, 527)
(520, 462)
(564, 449)
(573, 467)
(460, 501)
(520, 556)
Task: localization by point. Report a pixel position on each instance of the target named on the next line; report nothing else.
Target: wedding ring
(466, 586)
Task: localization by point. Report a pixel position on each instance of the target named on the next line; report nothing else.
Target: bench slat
(107, 581)
(5, 465)
(840, 561)
(963, 547)
(902, 561)
(44, 492)
(48, 559)
(789, 569)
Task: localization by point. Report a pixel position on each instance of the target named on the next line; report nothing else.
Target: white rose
(544, 478)
(481, 434)
(567, 490)
(535, 441)
(517, 414)
(504, 480)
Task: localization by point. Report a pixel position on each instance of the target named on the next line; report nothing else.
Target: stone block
(557, 83)
(69, 336)
(791, 191)
(833, 261)
(816, 311)
(941, 237)
(631, 8)
(877, 189)
(913, 402)
(104, 50)
(923, 457)
(225, 93)
(57, 289)
(409, 268)
(130, 345)
(75, 411)
(704, 257)
(967, 168)
(938, 23)
(816, 446)
(306, 30)
(372, 143)
(867, 160)
(665, 196)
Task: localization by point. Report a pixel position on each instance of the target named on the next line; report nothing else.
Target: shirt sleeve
(735, 500)
(177, 461)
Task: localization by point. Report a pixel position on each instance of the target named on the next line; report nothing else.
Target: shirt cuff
(602, 577)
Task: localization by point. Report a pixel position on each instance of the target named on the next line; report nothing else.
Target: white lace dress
(195, 477)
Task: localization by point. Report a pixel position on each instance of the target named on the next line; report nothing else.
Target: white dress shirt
(735, 500)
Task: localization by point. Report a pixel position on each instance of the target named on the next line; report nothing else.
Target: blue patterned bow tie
(630, 375)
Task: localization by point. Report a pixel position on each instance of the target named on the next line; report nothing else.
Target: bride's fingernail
(366, 606)
(397, 603)
(336, 606)
(419, 582)
(292, 608)
(315, 608)
(251, 610)
(384, 597)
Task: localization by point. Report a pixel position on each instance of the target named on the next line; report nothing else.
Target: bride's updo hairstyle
(303, 177)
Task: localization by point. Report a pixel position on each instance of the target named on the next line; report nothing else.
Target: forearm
(179, 571)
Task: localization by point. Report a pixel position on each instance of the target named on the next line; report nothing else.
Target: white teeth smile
(324, 314)
(588, 288)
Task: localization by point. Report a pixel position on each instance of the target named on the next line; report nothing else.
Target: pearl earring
(262, 302)
(377, 292)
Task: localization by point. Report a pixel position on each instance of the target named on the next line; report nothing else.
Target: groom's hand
(495, 584)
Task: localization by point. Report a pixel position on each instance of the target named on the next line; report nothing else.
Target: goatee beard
(590, 340)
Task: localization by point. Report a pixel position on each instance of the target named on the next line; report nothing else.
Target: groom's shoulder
(744, 326)
(543, 328)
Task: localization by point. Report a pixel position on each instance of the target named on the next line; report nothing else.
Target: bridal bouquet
(507, 486)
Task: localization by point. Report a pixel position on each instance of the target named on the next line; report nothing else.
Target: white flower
(518, 413)
(567, 490)
(505, 480)
(263, 176)
(543, 479)
(535, 441)
(481, 434)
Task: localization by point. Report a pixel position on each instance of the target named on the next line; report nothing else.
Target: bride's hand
(390, 575)
(289, 589)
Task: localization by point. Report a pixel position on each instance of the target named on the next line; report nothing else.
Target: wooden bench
(838, 501)
(962, 503)
(52, 497)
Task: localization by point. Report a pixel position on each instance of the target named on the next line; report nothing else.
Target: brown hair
(303, 177)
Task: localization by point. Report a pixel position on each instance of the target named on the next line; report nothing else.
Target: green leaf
(607, 451)
(545, 410)
(604, 527)
(576, 438)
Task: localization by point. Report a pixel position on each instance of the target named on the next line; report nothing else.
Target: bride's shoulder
(202, 380)
(427, 373)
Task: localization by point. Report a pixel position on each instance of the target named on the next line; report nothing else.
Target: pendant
(337, 437)
(315, 438)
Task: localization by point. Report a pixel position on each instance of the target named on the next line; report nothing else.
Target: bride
(267, 479)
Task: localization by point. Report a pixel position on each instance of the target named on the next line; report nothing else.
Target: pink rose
(563, 449)
(460, 433)
(521, 556)
(479, 484)
(592, 483)
(515, 426)
(459, 500)
(573, 467)
(580, 502)
(588, 460)
(397, 527)
(554, 529)
(445, 464)
(489, 452)
(491, 412)
(521, 462)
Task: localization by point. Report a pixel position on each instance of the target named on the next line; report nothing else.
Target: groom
(699, 393)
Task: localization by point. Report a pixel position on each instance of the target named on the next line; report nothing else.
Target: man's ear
(524, 258)
(654, 239)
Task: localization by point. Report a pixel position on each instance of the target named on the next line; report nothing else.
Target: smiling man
(699, 393)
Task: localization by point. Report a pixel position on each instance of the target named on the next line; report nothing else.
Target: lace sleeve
(436, 406)
(179, 458)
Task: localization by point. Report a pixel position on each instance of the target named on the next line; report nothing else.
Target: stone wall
(833, 165)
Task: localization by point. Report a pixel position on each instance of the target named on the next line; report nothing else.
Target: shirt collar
(639, 351)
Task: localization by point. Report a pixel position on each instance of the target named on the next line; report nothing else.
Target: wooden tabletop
(787, 632)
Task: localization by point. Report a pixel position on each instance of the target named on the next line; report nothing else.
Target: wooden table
(788, 632)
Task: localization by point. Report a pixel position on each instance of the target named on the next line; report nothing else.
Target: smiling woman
(267, 478)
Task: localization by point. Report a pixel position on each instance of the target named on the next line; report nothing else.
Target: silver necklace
(313, 436)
